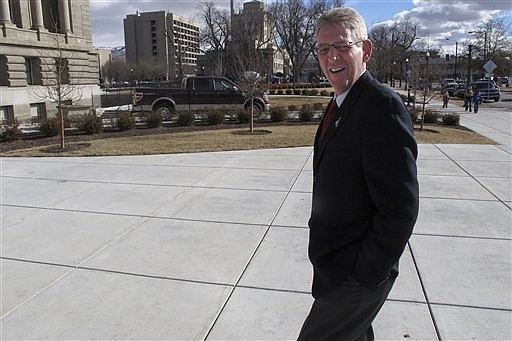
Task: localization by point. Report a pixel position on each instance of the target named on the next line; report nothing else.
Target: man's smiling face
(342, 68)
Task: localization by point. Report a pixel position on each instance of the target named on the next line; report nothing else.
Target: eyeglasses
(340, 46)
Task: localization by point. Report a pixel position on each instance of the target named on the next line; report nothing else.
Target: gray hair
(346, 16)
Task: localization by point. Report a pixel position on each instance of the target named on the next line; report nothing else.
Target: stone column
(65, 24)
(36, 10)
(5, 13)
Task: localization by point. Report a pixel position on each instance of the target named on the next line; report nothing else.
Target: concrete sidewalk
(213, 245)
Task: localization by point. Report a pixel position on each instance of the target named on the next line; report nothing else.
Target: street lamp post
(485, 42)
(456, 55)
(401, 74)
(407, 81)
(392, 70)
(425, 88)
(468, 81)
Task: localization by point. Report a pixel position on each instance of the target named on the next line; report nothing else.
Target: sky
(437, 19)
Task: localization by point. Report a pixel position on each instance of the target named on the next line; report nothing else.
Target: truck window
(202, 84)
(223, 85)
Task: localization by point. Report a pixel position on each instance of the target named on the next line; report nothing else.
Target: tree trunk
(61, 127)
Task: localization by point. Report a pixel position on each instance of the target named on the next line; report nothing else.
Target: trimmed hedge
(49, 126)
(451, 119)
(125, 121)
(244, 117)
(153, 119)
(11, 131)
(306, 113)
(186, 118)
(215, 117)
(278, 114)
(90, 124)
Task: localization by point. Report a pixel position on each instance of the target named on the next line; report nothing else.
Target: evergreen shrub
(49, 126)
(125, 121)
(153, 119)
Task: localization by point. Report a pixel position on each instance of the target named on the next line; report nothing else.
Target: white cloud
(437, 19)
(441, 19)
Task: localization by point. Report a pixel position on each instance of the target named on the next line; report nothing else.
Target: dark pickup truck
(195, 93)
(488, 89)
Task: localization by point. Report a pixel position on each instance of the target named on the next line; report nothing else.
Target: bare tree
(57, 86)
(493, 42)
(116, 71)
(294, 22)
(247, 61)
(174, 44)
(380, 35)
(251, 46)
(493, 37)
(391, 44)
(214, 35)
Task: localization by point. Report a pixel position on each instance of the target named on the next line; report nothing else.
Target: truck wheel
(258, 110)
(165, 110)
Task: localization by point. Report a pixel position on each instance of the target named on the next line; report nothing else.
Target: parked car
(461, 89)
(502, 81)
(451, 87)
(488, 89)
(446, 81)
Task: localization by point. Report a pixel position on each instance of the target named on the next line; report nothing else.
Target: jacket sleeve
(389, 154)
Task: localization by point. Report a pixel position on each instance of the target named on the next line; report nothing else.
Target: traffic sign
(490, 66)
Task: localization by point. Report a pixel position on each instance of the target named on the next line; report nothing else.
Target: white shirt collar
(339, 99)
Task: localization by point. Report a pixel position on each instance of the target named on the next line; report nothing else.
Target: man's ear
(367, 50)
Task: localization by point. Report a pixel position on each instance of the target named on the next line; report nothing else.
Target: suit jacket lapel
(343, 112)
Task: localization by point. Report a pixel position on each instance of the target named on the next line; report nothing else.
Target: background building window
(51, 15)
(28, 71)
(38, 110)
(4, 76)
(62, 70)
(15, 10)
(33, 70)
(6, 113)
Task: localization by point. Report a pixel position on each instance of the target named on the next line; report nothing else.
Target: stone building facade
(39, 40)
(251, 28)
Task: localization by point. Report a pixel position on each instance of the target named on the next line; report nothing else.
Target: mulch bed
(80, 137)
(254, 132)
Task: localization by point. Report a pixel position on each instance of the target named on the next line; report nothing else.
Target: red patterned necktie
(329, 117)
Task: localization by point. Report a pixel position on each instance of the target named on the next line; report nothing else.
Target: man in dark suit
(365, 188)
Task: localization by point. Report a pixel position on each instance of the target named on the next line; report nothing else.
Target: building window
(62, 70)
(38, 110)
(29, 71)
(4, 76)
(51, 15)
(33, 70)
(15, 10)
(6, 113)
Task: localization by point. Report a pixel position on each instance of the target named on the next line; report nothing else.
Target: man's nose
(332, 54)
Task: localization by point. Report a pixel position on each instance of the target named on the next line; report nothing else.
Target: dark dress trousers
(365, 199)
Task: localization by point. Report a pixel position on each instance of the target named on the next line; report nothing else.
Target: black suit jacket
(365, 189)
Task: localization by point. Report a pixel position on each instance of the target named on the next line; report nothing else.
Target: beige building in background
(252, 27)
(35, 37)
(162, 40)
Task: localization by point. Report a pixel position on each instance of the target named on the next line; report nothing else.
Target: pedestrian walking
(365, 187)
(477, 100)
(468, 98)
(446, 98)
